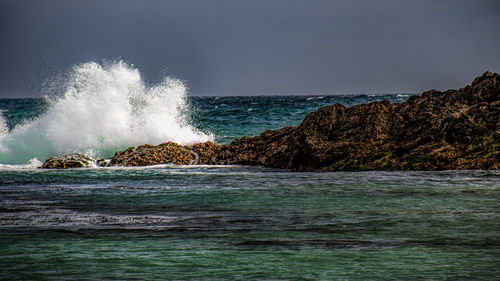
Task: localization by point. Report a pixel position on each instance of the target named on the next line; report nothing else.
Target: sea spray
(104, 108)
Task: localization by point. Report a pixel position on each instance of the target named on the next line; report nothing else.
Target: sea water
(220, 222)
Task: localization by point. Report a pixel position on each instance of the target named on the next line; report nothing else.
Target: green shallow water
(170, 258)
(228, 223)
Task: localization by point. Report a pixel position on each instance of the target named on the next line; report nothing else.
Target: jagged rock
(102, 162)
(455, 129)
(68, 161)
(146, 155)
(167, 153)
(208, 152)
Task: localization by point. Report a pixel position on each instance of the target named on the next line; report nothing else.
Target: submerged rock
(68, 161)
(455, 129)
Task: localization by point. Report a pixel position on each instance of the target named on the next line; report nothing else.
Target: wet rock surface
(68, 161)
(455, 129)
(147, 155)
(168, 153)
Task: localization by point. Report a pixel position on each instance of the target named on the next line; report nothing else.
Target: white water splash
(104, 108)
(31, 165)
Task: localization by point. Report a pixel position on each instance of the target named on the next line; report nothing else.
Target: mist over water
(104, 108)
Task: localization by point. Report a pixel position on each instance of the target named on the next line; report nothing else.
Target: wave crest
(104, 108)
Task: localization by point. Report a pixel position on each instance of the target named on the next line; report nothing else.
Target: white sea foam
(31, 165)
(104, 108)
(4, 130)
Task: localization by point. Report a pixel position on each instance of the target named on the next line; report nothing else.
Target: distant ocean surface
(220, 222)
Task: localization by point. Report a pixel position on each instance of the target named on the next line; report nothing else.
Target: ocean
(171, 222)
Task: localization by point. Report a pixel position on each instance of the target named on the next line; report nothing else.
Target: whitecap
(104, 108)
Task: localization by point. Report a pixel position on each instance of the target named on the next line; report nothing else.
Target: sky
(255, 47)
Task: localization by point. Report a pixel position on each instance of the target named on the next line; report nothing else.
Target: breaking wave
(104, 108)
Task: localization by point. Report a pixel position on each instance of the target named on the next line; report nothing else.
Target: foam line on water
(104, 108)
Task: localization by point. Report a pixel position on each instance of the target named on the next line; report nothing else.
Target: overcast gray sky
(231, 47)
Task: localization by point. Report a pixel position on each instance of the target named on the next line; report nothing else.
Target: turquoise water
(227, 118)
(234, 117)
(245, 223)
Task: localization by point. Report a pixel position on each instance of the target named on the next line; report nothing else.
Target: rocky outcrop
(455, 129)
(68, 161)
(208, 152)
(146, 155)
(167, 153)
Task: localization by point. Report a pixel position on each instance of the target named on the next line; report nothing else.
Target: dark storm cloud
(227, 47)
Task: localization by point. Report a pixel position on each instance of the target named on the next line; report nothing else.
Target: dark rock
(167, 153)
(207, 152)
(68, 161)
(102, 162)
(146, 155)
(455, 129)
